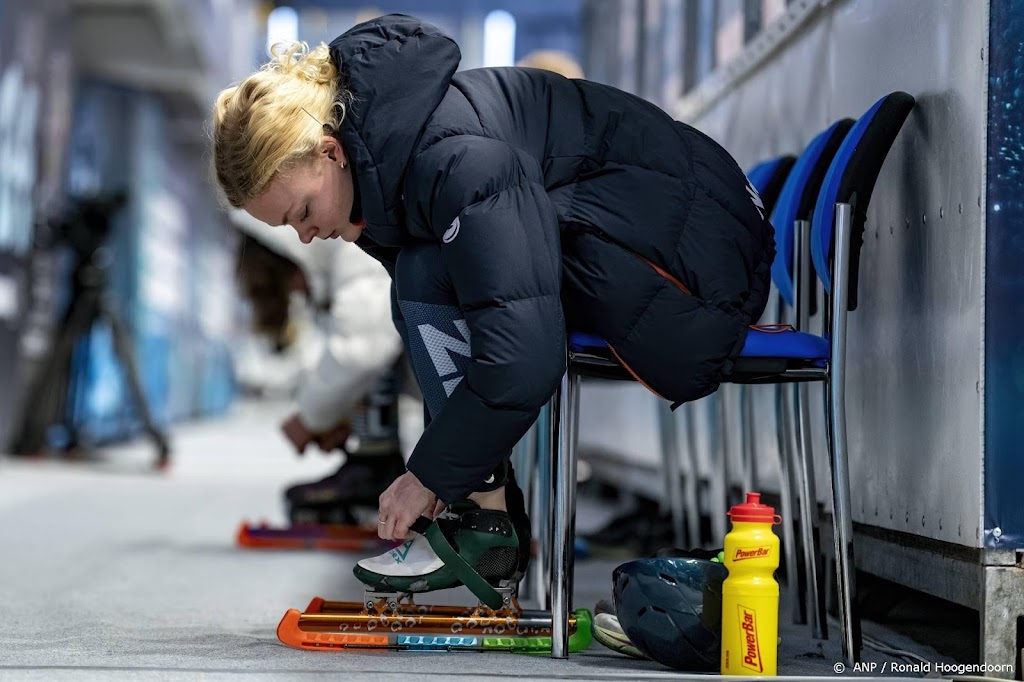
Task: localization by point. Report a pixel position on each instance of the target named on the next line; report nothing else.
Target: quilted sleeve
(486, 204)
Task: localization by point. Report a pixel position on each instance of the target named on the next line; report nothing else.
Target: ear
(333, 149)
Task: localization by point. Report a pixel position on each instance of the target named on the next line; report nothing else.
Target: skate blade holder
(395, 622)
(382, 603)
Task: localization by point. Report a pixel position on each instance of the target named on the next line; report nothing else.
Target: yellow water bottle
(750, 595)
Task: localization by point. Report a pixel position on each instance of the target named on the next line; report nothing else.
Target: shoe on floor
(357, 483)
(486, 539)
(608, 632)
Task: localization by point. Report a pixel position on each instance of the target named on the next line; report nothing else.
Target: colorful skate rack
(353, 626)
(335, 538)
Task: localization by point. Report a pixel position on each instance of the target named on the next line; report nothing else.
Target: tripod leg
(124, 354)
(46, 399)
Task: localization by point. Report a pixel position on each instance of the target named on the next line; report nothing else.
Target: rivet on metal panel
(890, 514)
(960, 209)
(922, 522)
(979, 201)
(924, 218)
(983, 54)
(876, 511)
(906, 517)
(890, 229)
(908, 223)
(940, 524)
(942, 212)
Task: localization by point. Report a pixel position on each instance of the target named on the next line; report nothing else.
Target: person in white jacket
(335, 346)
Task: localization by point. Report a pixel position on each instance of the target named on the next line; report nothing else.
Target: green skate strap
(466, 573)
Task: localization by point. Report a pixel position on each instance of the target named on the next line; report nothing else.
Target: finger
(401, 531)
(382, 521)
(389, 516)
(438, 508)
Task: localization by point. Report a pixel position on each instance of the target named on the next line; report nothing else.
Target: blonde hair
(274, 119)
(557, 61)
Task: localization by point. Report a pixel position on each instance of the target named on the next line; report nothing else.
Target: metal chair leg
(748, 443)
(803, 452)
(540, 507)
(668, 428)
(808, 511)
(718, 488)
(784, 426)
(842, 512)
(692, 484)
(565, 421)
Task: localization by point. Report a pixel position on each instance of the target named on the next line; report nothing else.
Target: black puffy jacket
(572, 197)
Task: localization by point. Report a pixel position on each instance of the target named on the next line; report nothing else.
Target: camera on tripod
(86, 222)
(84, 225)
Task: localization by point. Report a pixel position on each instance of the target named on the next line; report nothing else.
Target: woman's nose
(307, 234)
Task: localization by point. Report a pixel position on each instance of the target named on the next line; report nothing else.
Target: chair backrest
(797, 199)
(851, 179)
(768, 177)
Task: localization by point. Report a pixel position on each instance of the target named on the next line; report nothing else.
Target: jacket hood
(398, 69)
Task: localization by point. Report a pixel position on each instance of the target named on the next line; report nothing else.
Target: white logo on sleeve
(452, 232)
(756, 198)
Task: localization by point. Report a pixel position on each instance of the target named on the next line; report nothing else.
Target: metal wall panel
(915, 346)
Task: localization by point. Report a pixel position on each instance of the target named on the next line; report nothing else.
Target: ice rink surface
(109, 571)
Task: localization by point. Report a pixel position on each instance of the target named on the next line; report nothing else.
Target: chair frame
(562, 441)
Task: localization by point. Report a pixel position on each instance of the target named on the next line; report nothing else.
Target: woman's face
(315, 198)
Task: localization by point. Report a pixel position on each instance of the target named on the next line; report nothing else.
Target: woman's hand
(335, 439)
(297, 433)
(401, 504)
(300, 437)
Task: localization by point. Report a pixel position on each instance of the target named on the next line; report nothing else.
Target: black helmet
(671, 609)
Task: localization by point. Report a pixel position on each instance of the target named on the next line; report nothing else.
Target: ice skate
(338, 498)
(483, 541)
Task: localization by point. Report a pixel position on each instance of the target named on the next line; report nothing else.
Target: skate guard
(339, 626)
(328, 537)
(392, 620)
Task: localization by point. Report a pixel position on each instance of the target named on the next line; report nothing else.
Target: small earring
(344, 165)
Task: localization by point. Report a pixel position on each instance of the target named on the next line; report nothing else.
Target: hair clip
(311, 116)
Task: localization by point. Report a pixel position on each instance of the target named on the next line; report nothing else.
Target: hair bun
(296, 58)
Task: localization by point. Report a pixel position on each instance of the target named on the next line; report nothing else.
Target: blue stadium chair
(797, 356)
(791, 218)
(770, 356)
(768, 178)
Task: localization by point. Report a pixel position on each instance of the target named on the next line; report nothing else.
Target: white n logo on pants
(439, 345)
